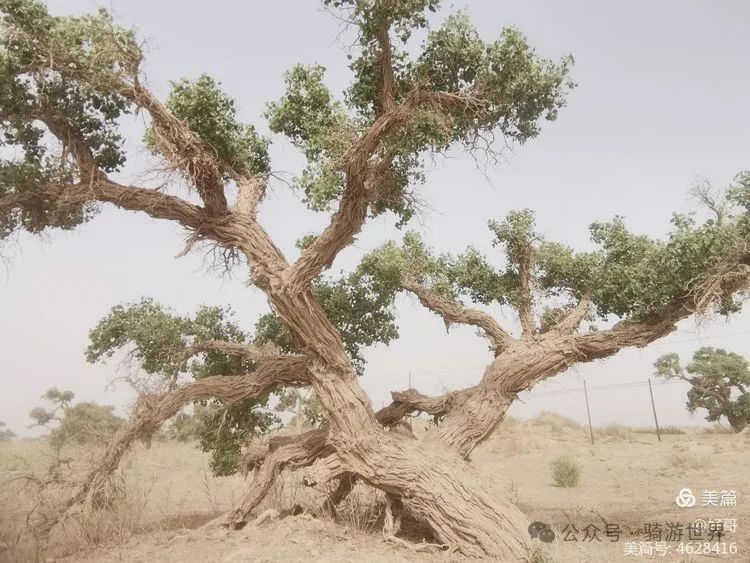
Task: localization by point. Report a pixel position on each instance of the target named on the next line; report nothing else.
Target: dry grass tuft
(614, 431)
(170, 488)
(688, 461)
(717, 428)
(362, 511)
(555, 422)
(662, 430)
(566, 472)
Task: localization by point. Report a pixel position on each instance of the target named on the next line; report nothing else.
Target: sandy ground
(629, 481)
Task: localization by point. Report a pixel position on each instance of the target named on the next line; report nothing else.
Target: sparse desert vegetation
(165, 494)
(566, 472)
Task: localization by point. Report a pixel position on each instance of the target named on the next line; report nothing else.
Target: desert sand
(629, 482)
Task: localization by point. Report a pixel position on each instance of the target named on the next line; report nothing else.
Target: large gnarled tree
(68, 82)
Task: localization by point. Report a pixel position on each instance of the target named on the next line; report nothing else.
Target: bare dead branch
(525, 300)
(267, 352)
(570, 322)
(322, 470)
(453, 312)
(706, 195)
(262, 483)
(250, 192)
(387, 97)
(435, 406)
(296, 451)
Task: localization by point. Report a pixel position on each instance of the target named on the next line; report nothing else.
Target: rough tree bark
(431, 477)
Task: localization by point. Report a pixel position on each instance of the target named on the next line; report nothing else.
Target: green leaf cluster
(317, 124)
(212, 115)
(355, 305)
(499, 87)
(157, 340)
(627, 275)
(62, 73)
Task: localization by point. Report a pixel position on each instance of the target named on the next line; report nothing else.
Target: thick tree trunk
(436, 484)
(430, 479)
(471, 420)
(475, 414)
(737, 423)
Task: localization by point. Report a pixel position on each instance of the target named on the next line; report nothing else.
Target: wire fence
(654, 345)
(584, 389)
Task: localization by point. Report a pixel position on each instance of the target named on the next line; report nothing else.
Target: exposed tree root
(393, 511)
(423, 547)
(266, 515)
(337, 496)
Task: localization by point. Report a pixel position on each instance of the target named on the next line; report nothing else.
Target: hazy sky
(662, 99)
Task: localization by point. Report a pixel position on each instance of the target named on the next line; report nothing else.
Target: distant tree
(60, 399)
(6, 434)
(83, 423)
(719, 384)
(183, 428)
(304, 407)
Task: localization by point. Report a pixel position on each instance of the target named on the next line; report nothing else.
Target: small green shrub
(566, 472)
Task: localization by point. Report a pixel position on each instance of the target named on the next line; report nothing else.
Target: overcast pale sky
(661, 101)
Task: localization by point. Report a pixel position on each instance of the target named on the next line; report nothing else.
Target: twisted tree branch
(453, 312)
(570, 322)
(526, 300)
(189, 153)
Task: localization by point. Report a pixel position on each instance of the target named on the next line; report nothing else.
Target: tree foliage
(719, 383)
(158, 342)
(499, 87)
(41, 59)
(212, 116)
(627, 275)
(363, 315)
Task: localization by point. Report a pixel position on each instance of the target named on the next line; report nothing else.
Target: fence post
(653, 406)
(588, 410)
